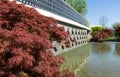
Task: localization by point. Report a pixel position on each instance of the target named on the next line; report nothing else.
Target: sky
(98, 8)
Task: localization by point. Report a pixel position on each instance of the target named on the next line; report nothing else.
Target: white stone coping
(57, 17)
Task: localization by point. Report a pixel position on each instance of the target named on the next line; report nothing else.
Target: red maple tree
(25, 40)
(101, 34)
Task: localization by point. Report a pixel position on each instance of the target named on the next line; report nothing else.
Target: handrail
(58, 7)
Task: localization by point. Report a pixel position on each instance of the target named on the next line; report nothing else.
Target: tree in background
(100, 33)
(103, 21)
(79, 5)
(96, 28)
(116, 27)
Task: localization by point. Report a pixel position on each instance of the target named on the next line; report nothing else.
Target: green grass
(112, 38)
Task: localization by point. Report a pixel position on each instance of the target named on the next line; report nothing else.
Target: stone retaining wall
(79, 34)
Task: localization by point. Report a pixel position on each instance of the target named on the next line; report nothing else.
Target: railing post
(58, 7)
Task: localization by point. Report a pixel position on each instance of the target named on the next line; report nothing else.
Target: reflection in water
(101, 48)
(104, 65)
(76, 58)
(94, 60)
(117, 49)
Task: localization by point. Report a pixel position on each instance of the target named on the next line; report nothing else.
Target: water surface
(94, 60)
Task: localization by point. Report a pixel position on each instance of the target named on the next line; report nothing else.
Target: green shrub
(96, 28)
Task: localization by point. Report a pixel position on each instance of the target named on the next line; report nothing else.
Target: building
(75, 24)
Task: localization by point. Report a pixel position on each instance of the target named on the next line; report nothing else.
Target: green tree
(116, 27)
(79, 5)
(96, 28)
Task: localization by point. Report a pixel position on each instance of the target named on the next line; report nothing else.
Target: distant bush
(116, 27)
(101, 34)
(25, 40)
(96, 28)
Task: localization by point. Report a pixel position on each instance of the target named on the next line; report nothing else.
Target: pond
(94, 60)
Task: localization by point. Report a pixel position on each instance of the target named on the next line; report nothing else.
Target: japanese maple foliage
(101, 34)
(25, 40)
